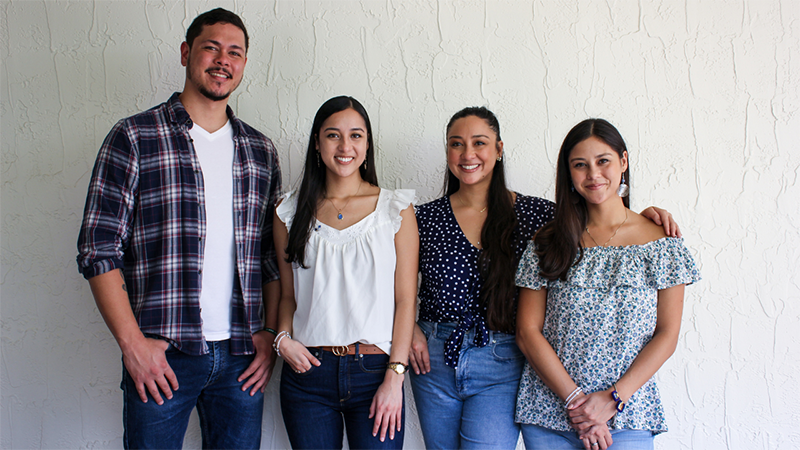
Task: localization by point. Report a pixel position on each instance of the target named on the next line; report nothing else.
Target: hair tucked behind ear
(312, 186)
(559, 242)
(498, 260)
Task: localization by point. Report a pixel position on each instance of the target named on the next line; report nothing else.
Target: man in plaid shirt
(176, 243)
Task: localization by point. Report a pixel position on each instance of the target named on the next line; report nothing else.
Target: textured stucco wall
(705, 92)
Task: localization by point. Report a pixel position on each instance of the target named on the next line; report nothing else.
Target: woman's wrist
(279, 338)
(393, 378)
(578, 392)
(619, 404)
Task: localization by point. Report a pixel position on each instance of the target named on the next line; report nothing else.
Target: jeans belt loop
(356, 355)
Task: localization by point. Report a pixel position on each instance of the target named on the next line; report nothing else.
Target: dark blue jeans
(229, 417)
(319, 404)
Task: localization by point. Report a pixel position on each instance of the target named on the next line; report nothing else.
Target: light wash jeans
(229, 417)
(473, 405)
(540, 438)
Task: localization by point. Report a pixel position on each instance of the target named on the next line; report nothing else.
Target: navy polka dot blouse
(450, 289)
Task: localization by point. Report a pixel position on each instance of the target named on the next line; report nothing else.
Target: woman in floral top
(466, 364)
(600, 306)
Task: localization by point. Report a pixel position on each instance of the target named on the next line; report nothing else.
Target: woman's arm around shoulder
(663, 218)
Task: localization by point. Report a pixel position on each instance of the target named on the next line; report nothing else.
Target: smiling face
(596, 170)
(342, 142)
(215, 62)
(472, 150)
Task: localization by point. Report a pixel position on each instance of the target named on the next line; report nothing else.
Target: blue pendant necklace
(340, 216)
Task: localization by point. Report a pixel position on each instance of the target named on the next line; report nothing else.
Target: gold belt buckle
(341, 350)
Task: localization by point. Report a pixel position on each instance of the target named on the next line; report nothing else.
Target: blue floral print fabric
(598, 321)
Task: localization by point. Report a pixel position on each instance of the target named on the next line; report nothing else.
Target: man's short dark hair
(218, 15)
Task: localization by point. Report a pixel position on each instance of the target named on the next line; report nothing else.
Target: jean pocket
(171, 349)
(445, 330)
(373, 363)
(316, 353)
(426, 328)
(307, 373)
(506, 349)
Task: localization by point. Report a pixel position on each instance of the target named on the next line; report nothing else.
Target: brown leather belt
(363, 349)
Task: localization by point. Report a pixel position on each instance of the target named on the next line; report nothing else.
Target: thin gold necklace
(476, 209)
(340, 216)
(612, 236)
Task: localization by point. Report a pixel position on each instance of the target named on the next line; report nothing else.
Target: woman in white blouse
(348, 259)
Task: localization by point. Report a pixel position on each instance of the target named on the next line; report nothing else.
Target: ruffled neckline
(657, 264)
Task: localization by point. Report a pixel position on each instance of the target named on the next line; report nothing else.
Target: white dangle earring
(623, 189)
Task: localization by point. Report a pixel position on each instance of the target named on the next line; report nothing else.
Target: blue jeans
(540, 438)
(473, 405)
(319, 404)
(229, 417)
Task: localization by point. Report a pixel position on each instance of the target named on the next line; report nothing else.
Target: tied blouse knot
(451, 281)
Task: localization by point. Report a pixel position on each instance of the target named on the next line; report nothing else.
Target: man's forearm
(111, 297)
(271, 296)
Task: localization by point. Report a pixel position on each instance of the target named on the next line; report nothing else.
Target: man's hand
(259, 371)
(147, 364)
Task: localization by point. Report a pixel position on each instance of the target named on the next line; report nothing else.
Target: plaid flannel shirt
(145, 214)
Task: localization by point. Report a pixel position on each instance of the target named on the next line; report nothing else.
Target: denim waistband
(449, 327)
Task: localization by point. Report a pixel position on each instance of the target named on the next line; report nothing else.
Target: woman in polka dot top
(466, 363)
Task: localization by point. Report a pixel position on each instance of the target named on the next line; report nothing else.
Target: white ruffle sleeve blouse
(346, 293)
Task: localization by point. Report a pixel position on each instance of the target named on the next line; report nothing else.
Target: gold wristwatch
(398, 367)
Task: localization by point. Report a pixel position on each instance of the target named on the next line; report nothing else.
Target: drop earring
(623, 189)
(365, 163)
(317, 159)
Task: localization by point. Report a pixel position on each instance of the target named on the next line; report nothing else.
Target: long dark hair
(498, 261)
(559, 242)
(312, 186)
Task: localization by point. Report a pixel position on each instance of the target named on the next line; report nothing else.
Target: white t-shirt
(346, 294)
(215, 152)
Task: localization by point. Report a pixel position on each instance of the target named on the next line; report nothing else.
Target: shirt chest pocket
(254, 190)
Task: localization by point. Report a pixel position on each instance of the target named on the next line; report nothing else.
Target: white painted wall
(704, 91)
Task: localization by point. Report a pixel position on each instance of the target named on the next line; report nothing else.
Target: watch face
(398, 368)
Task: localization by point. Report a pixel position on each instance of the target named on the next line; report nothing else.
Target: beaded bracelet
(276, 344)
(620, 404)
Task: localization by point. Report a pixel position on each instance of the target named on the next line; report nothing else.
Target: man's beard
(212, 96)
(206, 93)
